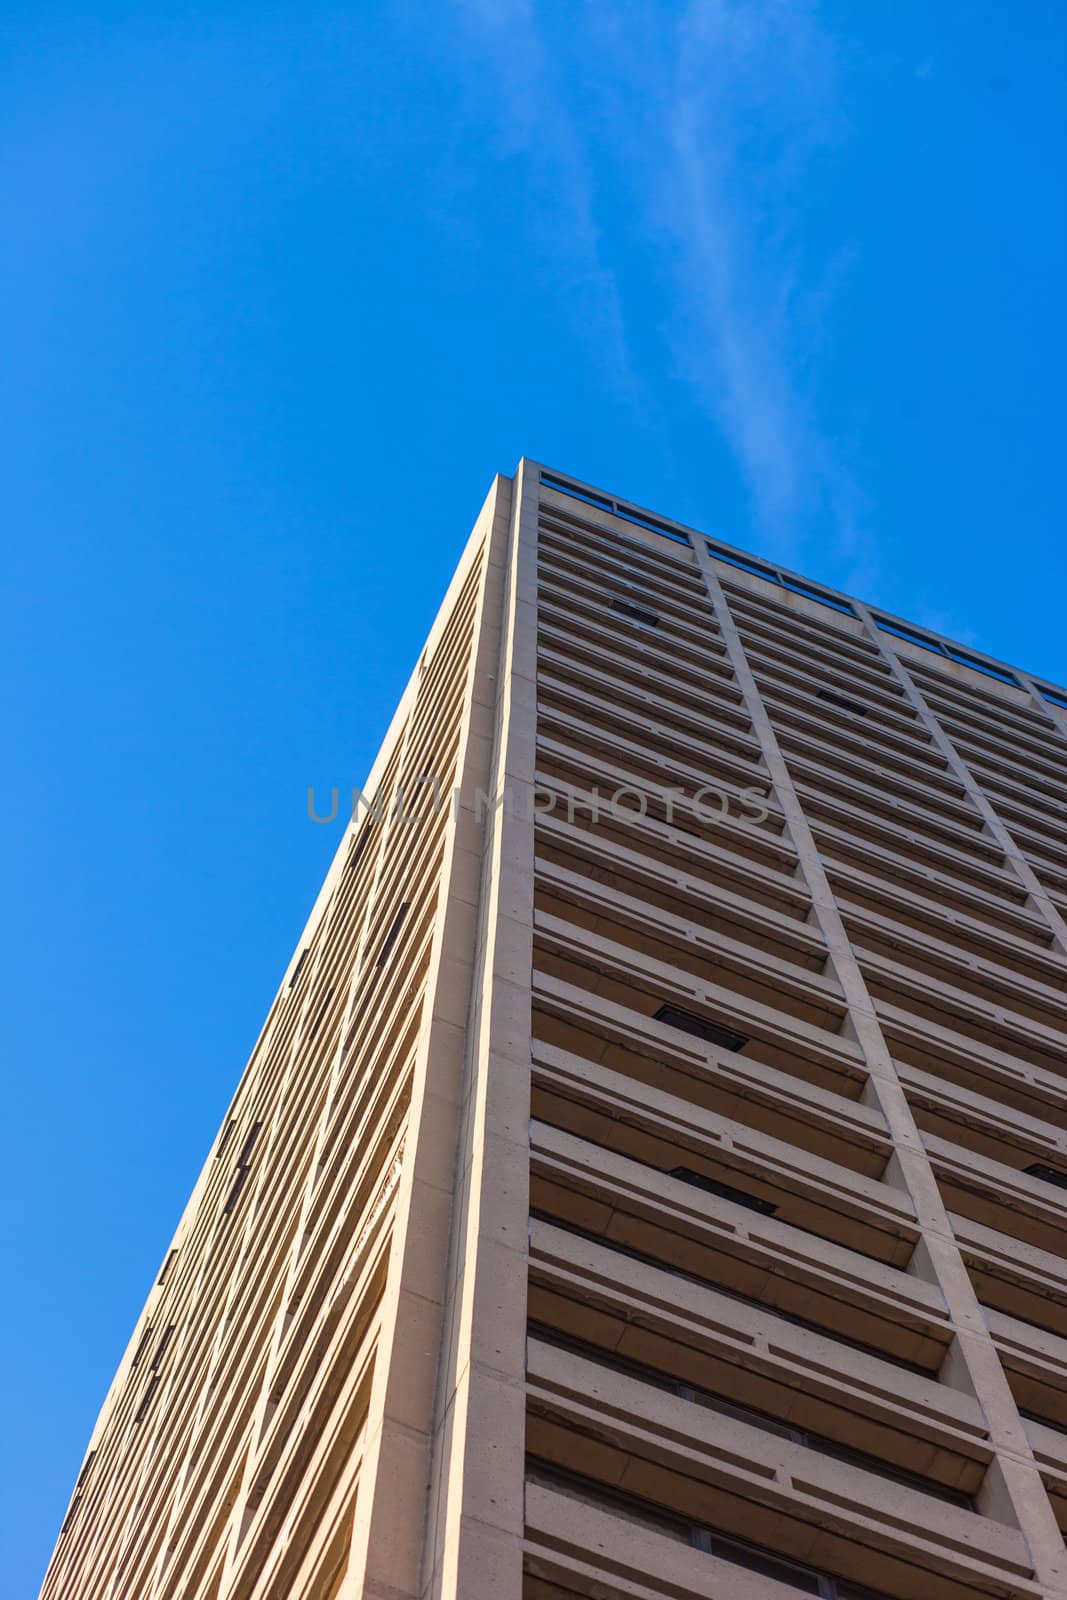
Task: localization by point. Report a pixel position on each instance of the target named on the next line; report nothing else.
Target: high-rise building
(650, 1180)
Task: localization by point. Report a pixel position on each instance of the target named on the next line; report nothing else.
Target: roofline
(1021, 678)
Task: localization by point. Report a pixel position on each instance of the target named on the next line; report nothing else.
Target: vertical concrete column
(1013, 1489)
(958, 767)
(1053, 715)
(475, 1549)
(391, 1520)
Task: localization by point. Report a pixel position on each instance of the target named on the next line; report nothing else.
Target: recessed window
(296, 969)
(161, 1349)
(842, 702)
(744, 563)
(626, 608)
(725, 1191)
(1054, 695)
(641, 521)
(577, 494)
(392, 936)
(325, 1006)
(1047, 1174)
(829, 1447)
(68, 1520)
(700, 1027)
(224, 1137)
(820, 595)
(146, 1400)
(1046, 1422)
(912, 638)
(142, 1345)
(359, 847)
(235, 1192)
(979, 666)
(728, 1547)
(616, 507)
(244, 1164)
(792, 1317)
(246, 1149)
(167, 1266)
(764, 1420)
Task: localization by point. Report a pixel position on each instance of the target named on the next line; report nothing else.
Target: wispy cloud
(751, 83)
(534, 120)
(737, 102)
(709, 120)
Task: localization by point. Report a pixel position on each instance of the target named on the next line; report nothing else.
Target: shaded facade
(650, 1179)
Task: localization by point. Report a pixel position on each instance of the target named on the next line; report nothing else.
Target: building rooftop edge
(774, 571)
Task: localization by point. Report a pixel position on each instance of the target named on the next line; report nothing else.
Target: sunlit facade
(650, 1178)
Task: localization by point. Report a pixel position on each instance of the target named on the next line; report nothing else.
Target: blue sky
(282, 287)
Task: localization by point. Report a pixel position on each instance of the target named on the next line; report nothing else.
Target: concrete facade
(651, 1178)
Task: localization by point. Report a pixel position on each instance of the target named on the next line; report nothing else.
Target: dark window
(576, 493)
(246, 1149)
(725, 1191)
(359, 847)
(1038, 1169)
(142, 1345)
(754, 1559)
(842, 702)
(755, 1417)
(224, 1137)
(142, 1410)
(161, 1349)
(235, 1193)
(700, 1027)
(912, 638)
(641, 521)
(603, 503)
(979, 666)
(167, 1266)
(626, 608)
(71, 1514)
(828, 1447)
(745, 565)
(325, 1006)
(1046, 1422)
(296, 969)
(244, 1163)
(819, 595)
(1054, 695)
(392, 936)
(791, 1317)
(739, 1552)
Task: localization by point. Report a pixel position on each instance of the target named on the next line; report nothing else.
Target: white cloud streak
(751, 101)
(709, 118)
(534, 119)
